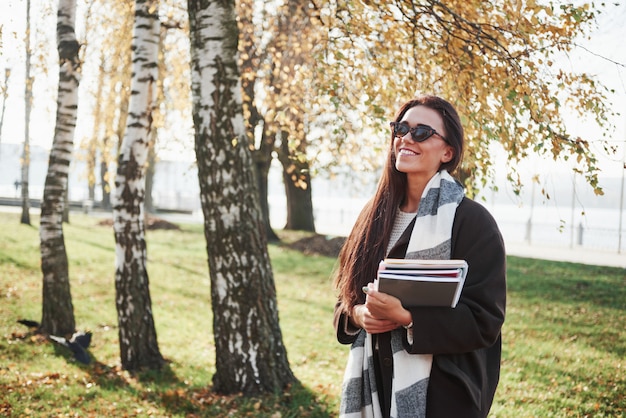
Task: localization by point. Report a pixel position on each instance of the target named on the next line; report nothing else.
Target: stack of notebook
(423, 282)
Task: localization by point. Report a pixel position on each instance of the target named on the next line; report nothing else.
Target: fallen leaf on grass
(5, 409)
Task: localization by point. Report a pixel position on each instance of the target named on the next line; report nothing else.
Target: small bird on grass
(78, 343)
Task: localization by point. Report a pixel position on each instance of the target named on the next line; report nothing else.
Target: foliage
(564, 340)
(332, 80)
(106, 52)
(499, 63)
(328, 74)
(285, 42)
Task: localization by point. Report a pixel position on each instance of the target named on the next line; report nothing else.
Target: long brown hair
(365, 246)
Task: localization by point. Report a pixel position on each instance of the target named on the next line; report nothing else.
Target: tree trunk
(57, 309)
(137, 334)
(66, 206)
(5, 95)
(104, 182)
(94, 142)
(25, 218)
(262, 155)
(28, 101)
(262, 161)
(250, 355)
(150, 170)
(297, 179)
(154, 132)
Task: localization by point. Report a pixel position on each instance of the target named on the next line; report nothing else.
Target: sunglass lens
(400, 129)
(420, 134)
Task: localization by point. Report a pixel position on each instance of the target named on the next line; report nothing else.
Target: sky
(606, 41)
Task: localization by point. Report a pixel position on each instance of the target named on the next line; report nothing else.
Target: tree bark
(299, 200)
(28, 101)
(150, 171)
(57, 309)
(152, 154)
(94, 142)
(250, 355)
(297, 179)
(262, 161)
(104, 182)
(5, 95)
(137, 334)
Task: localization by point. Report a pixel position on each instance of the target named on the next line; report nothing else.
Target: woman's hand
(380, 313)
(362, 317)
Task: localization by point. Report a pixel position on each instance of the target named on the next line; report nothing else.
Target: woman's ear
(447, 155)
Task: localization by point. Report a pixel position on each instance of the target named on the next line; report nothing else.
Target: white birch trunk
(137, 334)
(250, 356)
(57, 309)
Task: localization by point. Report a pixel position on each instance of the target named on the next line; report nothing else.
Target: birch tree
(57, 309)
(137, 334)
(250, 355)
(28, 102)
(5, 95)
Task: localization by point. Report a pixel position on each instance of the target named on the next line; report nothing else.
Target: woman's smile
(407, 152)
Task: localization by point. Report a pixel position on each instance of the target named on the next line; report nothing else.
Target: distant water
(593, 225)
(596, 228)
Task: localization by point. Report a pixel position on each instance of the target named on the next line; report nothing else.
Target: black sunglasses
(420, 133)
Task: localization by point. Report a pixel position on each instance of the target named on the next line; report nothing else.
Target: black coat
(465, 341)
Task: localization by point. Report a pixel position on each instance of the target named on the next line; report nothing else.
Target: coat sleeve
(478, 317)
(346, 332)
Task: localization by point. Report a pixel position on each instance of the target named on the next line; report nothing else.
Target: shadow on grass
(165, 391)
(180, 267)
(6, 259)
(92, 240)
(294, 401)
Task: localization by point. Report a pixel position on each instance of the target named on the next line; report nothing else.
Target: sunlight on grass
(563, 353)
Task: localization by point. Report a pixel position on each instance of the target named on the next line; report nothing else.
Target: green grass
(564, 339)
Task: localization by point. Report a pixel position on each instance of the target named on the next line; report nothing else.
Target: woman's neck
(414, 190)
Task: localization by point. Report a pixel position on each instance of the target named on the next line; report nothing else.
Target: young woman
(425, 361)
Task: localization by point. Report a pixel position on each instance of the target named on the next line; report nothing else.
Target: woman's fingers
(374, 325)
(383, 306)
(380, 328)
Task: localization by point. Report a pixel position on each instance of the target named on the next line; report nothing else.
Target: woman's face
(422, 159)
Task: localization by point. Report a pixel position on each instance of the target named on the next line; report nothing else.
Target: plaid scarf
(430, 239)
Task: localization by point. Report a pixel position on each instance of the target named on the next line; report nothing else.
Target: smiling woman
(420, 156)
(421, 361)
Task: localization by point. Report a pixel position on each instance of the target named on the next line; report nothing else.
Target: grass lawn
(564, 338)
